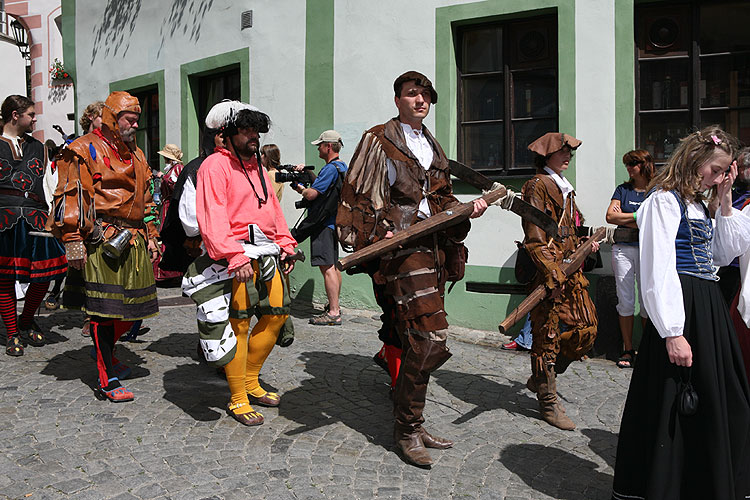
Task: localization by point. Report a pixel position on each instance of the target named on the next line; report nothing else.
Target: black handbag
(687, 398)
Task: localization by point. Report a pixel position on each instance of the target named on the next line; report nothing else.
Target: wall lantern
(22, 39)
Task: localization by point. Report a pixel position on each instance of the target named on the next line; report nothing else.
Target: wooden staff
(433, 224)
(570, 265)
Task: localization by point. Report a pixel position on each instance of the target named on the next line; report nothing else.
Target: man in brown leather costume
(399, 176)
(102, 197)
(564, 324)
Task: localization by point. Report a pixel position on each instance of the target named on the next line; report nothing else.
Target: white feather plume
(224, 112)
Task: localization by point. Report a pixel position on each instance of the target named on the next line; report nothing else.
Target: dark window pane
(535, 93)
(714, 82)
(735, 122)
(214, 88)
(664, 84)
(147, 137)
(724, 27)
(483, 146)
(483, 98)
(482, 50)
(661, 132)
(524, 133)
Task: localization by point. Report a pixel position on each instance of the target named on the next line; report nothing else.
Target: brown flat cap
(417, 78)
(552, 142)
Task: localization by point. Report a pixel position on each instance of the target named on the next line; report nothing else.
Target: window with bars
(692, 70)
(507, 93)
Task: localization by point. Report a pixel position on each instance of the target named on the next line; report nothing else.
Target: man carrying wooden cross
(563, 325)
(398, 177)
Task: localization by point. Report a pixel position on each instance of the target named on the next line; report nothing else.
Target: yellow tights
(242, 372)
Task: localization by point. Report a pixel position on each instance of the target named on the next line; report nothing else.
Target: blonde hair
(681, 171)
(92, 111)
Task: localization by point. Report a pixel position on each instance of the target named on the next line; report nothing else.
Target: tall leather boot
(549, 407)
(421, 357)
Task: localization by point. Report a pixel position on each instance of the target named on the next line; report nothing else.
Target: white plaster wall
(595, 107)
(14, 69)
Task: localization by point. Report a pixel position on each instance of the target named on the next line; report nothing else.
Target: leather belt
(119, 221)
(21, 194)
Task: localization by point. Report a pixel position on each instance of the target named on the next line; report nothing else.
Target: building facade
(615, 73)
(53, 97)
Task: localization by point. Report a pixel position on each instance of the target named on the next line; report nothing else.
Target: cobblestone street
(330, 438)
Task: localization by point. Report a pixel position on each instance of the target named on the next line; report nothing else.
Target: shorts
(324, 248)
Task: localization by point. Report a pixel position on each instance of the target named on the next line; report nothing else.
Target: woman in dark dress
(664, 452)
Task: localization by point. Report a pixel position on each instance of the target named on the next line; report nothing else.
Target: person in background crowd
(672, 445)
(523, 341)
(564, 323)
(729, 276)
(739, 270)
(25, 255)
(399, 177)
(172, 169)
(626, 200)
(323, 197)
(270, 157)
(99, 210)
(247, 243)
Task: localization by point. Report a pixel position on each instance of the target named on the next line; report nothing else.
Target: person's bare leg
(332, 281)
(626, 328)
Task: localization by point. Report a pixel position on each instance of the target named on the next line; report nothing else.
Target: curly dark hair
(643, 158)
(257, 120)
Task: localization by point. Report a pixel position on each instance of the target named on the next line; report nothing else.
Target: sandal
(269, 399)
(249, 418)
(32, 336)
(14, 347)
(626, 359)
(116, 395)
(326, 319)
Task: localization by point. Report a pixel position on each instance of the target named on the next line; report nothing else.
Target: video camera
(287, 173)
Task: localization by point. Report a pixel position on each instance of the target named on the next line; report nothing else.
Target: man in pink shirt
(242, 273)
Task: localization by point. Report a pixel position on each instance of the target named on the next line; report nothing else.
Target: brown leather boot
(431, 441)
(531, 384)
(551, 410)
(412, 448)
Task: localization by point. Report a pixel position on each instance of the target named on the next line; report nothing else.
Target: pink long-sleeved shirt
(226, 205)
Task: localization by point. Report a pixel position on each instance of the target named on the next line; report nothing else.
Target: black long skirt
(662, 454)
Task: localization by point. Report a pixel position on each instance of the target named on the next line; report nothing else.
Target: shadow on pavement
(603, 443)
(197, 389)
(485, 394)
(556, 473)
(344, 388)
(78, 364)
(176, 344)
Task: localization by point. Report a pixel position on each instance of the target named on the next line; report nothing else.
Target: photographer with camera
(321, 200)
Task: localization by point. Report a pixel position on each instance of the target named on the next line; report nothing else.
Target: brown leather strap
(118, 221)
(21, 194)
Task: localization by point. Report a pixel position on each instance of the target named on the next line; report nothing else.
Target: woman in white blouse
(664, 452)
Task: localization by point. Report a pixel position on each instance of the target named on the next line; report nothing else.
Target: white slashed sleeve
(733, 239)
(731, 236)
(658, 220)
(186, 209)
